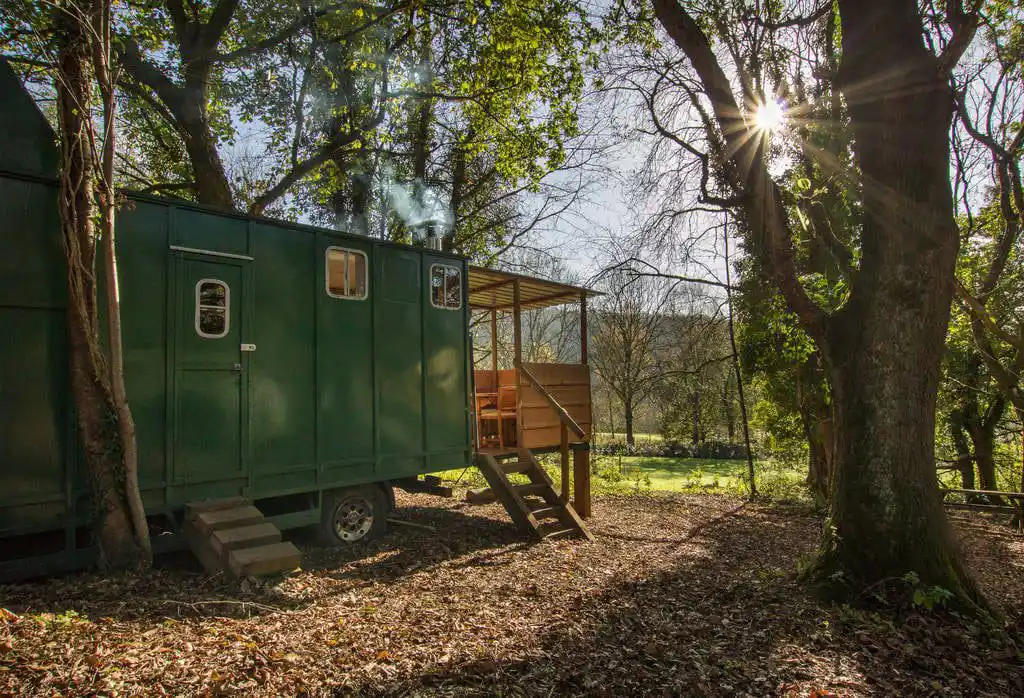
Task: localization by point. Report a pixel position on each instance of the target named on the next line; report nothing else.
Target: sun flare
(770, 115)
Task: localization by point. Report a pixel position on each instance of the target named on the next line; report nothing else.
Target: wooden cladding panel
(560, 374)
(567, 396)
(569, 384)
(548, 437)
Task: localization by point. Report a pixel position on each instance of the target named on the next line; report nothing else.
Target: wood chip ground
(680, 595)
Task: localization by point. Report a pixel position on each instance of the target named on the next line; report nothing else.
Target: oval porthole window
(213, 302)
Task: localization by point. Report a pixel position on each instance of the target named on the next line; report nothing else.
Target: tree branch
(762, 200)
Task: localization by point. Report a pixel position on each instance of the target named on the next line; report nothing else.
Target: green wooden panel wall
(345, 365)
(445, 361)
(143, 270)
(31, 254)
(30, 146)
(398, 352)
(281, 372)
(34, 418)
(33, 408)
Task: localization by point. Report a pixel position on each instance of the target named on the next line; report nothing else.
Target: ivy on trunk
(105, 428)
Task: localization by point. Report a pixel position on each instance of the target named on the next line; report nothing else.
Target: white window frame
(327, 273)
(445, 306)
(226, 309)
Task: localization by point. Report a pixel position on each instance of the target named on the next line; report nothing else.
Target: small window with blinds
(346, 274)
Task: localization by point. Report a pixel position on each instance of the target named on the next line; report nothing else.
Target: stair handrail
(563, 415)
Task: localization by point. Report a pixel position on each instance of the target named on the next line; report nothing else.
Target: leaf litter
(680, 595)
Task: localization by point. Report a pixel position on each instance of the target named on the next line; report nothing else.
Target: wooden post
(494, 345)
(581, 482)
(517, 344)
(583, 329)
(581, 458)
(494, 372)
(565, 463)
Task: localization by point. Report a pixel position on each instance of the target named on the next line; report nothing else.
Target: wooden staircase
(232, 536)
(535, 506)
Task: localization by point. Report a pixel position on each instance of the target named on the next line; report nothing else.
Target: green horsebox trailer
(266, 360)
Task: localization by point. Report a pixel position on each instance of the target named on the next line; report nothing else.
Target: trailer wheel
(353, 514)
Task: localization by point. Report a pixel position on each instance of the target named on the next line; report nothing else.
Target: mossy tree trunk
(107, 439)
(884, 347)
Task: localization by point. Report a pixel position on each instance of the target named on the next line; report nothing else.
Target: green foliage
(925, 596)
(333, 105)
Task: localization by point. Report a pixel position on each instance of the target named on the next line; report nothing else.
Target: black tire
(353, 514)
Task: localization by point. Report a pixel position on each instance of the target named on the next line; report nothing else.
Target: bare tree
(628, 335)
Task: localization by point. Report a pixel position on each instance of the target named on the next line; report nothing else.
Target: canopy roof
(491, 289)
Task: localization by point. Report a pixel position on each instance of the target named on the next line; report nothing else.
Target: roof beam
(526, 302)
(488, 287)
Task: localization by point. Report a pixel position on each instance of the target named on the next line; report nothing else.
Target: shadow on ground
(729, 615)
(177, 586)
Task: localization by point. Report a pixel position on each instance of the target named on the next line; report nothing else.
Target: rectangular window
(213, 303)
(445, 287)
(346, 273)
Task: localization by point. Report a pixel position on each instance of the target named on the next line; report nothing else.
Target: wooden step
(263, 559)
(228, 539)
(218, 519)
(534, 488)
(192, 509)
(554, 529)
(515, 466)
(556, 518)
(231, 535)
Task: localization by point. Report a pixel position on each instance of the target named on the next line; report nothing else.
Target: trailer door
(209, 370)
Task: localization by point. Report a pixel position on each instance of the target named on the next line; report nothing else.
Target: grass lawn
(624, 474)
(683, 473)
(605, 437)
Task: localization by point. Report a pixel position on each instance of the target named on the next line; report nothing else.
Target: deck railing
(563, 415)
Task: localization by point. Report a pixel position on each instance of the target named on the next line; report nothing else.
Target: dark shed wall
(345, 370)
(398, 351)
(444, 352)
(142, 229)
(282, 370)
(30, 146)
(34, 421)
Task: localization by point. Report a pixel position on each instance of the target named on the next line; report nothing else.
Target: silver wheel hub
(353, 519)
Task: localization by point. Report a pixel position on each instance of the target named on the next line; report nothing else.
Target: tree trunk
(102, 57)
(212, 185)
(99, 429)
(982, 433)
(628, 409)
(695, 418)
(983, 450)
(887, 517)
(980, 424)
(816, 417)
(728, 408)
(883, 349)
(818, 431)
(964, 462)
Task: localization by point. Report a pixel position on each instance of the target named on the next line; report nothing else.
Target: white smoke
(418, 205)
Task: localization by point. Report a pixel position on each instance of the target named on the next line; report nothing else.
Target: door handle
(237, 368)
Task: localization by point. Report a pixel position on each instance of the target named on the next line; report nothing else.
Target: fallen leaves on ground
(680, 595)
